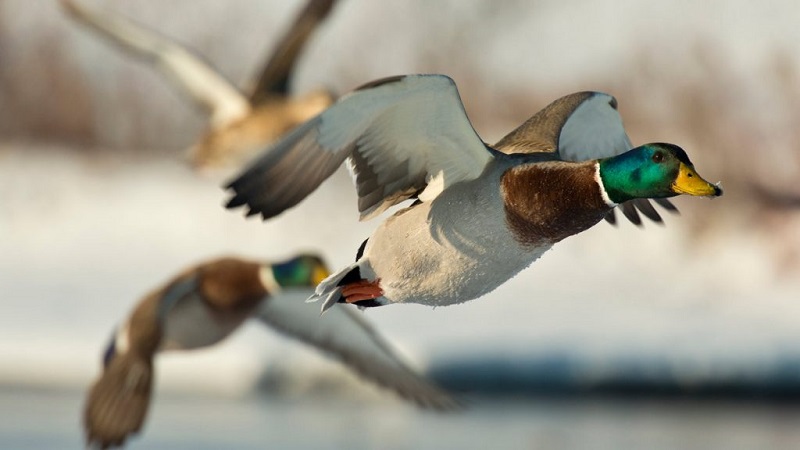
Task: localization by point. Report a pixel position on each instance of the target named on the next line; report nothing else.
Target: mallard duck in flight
(206, 303)
(240, 124)
(481, 213)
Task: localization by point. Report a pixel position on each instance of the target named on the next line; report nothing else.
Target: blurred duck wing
(274, 78)
(189, 73)
(117, 402)
(175, 315)
(344, 335)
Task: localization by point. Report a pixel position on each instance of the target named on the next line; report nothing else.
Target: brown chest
(547, 202)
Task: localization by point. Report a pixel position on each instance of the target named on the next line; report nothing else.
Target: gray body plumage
(455, 248)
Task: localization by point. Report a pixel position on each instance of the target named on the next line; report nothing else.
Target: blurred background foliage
(720, 78)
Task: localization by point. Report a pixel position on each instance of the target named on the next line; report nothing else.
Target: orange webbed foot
(362, 290)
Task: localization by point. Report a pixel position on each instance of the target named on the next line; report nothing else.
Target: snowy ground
(85, 236)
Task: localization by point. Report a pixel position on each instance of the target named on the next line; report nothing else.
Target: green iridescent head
(653, 171)
(300, 271)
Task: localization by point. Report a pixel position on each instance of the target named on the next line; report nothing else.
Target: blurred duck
(205, 304)
(481, 213)
(240, 124)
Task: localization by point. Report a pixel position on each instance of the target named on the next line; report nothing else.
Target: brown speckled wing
(117, 402)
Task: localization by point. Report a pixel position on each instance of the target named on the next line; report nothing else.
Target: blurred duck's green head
(300, 271)
(653, 171)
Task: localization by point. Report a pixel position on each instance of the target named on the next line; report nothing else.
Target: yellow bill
(690, 183)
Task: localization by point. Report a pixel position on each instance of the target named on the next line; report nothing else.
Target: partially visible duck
(204, 304)
(481, 213)
(240, 124)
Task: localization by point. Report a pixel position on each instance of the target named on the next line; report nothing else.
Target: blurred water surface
(46, 420)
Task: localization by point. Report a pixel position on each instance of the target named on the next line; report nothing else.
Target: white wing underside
(406, 136)
(188, 72)
(579, 127)
(593, 131)
(418, 122)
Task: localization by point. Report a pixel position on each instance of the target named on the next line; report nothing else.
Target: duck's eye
(658, 157)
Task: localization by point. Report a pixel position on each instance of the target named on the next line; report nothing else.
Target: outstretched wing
(117, 402)
(196, 78)
(580, 127)
(405, 136)
(274, 78)
(344, 335)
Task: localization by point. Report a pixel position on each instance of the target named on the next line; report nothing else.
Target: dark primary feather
(630, 212)
(611, 218)
(629, 209)
(277, 72)
(666, 204)
(285, 174)
(646, 208)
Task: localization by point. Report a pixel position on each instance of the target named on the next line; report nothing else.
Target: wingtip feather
(629, 211)
(117, 403)
(645, 207)
(611, 218)
(235, 202)
(667, 205)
